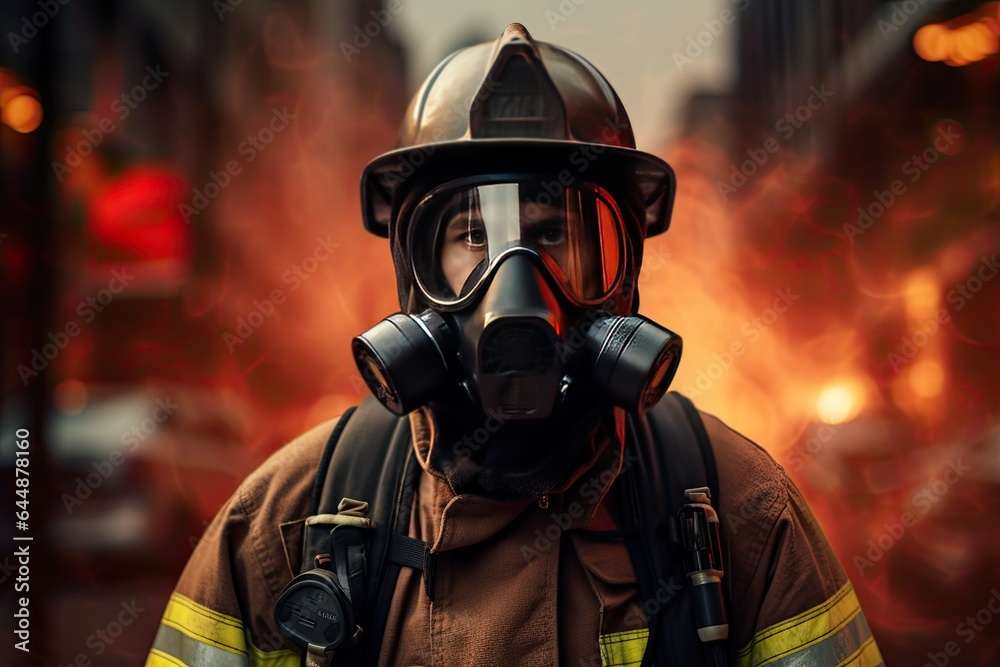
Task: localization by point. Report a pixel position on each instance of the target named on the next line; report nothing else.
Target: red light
(138, 213)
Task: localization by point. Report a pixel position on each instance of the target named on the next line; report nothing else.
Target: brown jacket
(515, 584)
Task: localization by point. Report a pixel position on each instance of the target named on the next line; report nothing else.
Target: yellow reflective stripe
(157, 658)
(795, 620)
(868, 656)
(192, 632)
(280, 658)
(826, 621)
(205, 625)
(623, 649)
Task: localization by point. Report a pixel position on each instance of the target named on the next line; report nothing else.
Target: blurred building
(138, 223)
(857, 160)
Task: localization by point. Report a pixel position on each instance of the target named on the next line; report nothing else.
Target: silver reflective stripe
(845, 643)
(176, 647)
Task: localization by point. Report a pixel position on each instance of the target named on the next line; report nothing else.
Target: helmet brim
(387, 177)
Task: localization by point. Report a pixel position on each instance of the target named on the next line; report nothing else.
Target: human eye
(551, 233)
(475, 237)
(471, 234)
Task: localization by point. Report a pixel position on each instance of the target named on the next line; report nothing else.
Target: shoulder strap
(324, 462)
(369, 458)
(674, 454)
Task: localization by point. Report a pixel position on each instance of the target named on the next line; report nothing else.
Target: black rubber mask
(517, 275)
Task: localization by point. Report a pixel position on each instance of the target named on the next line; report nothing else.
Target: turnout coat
(516, 582)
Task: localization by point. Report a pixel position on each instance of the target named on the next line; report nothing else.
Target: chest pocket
(623, 649)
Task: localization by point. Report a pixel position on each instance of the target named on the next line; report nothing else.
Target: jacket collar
(466, 519)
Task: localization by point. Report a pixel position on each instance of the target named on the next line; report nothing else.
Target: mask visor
(460, 234)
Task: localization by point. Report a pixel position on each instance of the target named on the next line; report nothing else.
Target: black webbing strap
(712, 474)
(369, 458)
(704, 445)
(324, 462)
(674, 454)
(411, 552)
(408, 551)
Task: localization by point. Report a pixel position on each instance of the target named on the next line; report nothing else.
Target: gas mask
(524, 285)
(516, 206)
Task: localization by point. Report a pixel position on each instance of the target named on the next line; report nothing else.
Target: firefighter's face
(465, 245)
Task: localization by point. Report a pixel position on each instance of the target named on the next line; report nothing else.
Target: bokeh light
(70, 397)
(961, 42)
(23, 113)
(927, 379)
(839, 402)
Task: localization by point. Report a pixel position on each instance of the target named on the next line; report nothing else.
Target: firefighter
(523, 491)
